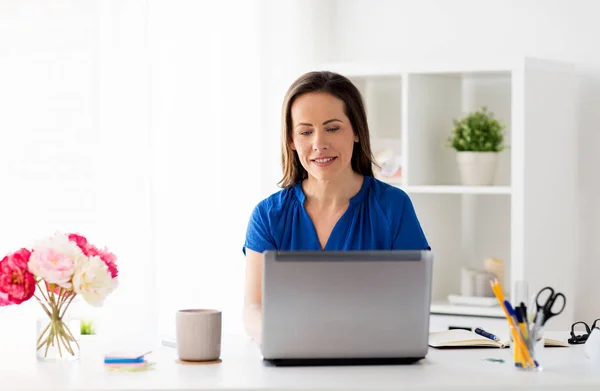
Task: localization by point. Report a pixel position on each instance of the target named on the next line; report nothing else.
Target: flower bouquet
(61, 267)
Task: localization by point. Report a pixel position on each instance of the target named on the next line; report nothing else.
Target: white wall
(295, 38)
(74, 151)
(136, 123)
(206, 117)
(372, 30)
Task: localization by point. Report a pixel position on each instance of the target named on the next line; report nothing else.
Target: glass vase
(57, 334)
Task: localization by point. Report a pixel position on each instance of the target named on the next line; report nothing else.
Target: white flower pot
(477, 168)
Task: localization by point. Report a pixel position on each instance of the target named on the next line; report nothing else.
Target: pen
(537, 325)
(521, 323)
(501, 300)
(525, 320)
(484, 333)
(523, 326)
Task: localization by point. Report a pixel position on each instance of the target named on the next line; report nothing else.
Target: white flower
(92, 280)
(54, 259)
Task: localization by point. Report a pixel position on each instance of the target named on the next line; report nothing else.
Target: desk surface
(242, 368)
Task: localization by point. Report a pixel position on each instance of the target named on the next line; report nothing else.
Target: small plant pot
(477, 168)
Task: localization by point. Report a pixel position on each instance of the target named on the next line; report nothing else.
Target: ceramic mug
(198, 334)
(475, 282)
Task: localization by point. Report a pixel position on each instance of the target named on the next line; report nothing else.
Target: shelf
(445, 308)
(446, 65)
(434, 101)
(397, 182)
(411, 108)
(492, 190)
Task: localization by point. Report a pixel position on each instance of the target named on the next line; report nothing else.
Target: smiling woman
(324, 149)
(329, 198)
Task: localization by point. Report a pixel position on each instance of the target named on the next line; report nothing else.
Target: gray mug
(198, 334)
(482, 284)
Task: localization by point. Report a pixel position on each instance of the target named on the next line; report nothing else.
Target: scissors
(547, 306)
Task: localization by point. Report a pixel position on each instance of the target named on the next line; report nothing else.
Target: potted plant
(477, 138)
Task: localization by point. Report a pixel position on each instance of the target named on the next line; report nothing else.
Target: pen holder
(527, 356)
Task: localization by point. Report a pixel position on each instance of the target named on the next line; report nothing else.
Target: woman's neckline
(358, 197)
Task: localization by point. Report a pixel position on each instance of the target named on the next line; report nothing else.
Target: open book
(459, 338)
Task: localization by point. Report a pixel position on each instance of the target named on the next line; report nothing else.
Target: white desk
(242, 369)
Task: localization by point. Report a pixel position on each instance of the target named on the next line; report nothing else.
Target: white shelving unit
(456, 189)
(528, 217)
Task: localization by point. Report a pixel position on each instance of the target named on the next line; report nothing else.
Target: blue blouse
(379, 217)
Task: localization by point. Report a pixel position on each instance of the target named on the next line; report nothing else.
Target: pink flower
(5, 300)
(90, 251)
(54, 259)
(110, 259)
(17, 284)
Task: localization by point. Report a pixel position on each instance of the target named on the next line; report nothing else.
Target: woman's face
(322, 135)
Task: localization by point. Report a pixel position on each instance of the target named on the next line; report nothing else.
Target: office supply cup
(198, 335)
(527, 340)
(528, 352)
(526, 336)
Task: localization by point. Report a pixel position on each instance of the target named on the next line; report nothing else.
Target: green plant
(478, 132)
(87, 327)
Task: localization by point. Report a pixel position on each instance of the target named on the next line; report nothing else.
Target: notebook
(459, 338)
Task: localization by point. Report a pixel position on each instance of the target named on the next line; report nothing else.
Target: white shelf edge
(397, 182)
(395, 69)
(444, 308)
(458, 189)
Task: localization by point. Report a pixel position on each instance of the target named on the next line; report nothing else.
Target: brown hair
(342, 88)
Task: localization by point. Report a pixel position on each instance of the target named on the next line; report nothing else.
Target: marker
(521, 323)
(484, 333)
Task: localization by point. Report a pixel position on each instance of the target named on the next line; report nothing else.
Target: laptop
(346, 307)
